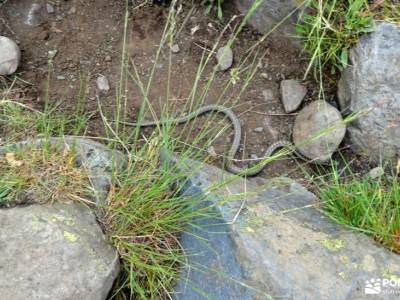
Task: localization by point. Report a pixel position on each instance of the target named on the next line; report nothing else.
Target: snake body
(229, 164)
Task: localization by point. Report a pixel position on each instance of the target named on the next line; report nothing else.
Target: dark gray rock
(54, 251)
(292, 94)
(225, 58)
(271, 242)
(372, 83)
(318, 130)
(272, 12)
(9, 56)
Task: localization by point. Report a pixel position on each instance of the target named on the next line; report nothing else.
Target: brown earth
(88, 37)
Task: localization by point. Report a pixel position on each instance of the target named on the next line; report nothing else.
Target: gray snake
(229, 164)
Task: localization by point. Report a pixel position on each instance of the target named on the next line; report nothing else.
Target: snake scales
(229, 164)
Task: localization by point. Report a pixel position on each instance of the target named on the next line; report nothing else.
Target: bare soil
(88, 37)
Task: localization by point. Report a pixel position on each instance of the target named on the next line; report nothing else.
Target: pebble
(224, 58)
(264, 75)
(375, 173)
(318, 131)
(60, 77)
(253, 156)
(108, 58)
(258, 129)
(72, 10)
(175, 48)
(33, 17)
(292, 94)
(102, 83)
(211, 151)
(268, 95)
(52, 53)
(9, 56)
(49, 8)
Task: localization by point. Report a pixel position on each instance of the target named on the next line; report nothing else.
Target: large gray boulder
(268, 240)
(58, 251)
(271, 12)
(372, 83)
(54, 251)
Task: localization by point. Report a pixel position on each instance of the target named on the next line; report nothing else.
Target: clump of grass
(368, 205)
(144, 220)
(214, 4)
(328, 29)
(44, 174)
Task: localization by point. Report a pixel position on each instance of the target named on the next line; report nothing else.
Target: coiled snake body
(229, 164)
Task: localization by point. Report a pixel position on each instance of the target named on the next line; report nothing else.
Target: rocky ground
(85, 39)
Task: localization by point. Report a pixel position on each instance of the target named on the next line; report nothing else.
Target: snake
(229, 164)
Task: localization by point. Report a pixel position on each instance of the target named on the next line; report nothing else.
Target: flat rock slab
(54, 251)
(267, 240)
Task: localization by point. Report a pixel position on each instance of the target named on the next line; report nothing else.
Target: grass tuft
(328, 29)
(367, 205)
(33, 174)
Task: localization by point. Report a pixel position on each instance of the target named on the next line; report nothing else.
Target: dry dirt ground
(88, 37)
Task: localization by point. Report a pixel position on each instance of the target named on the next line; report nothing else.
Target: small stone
(318, 130)
(59, 17)
(376, 173)
(49, 8)
(34, 17)
(108, 58)
(102, 83)
(9, 56)
(268, 95)
(211, 151)
(72, 10)
(60, 77)
(253, 156)
(265, 76)
(52, 53)
(258, 129)
(293, 94)
(175, 48)
(224, 58)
